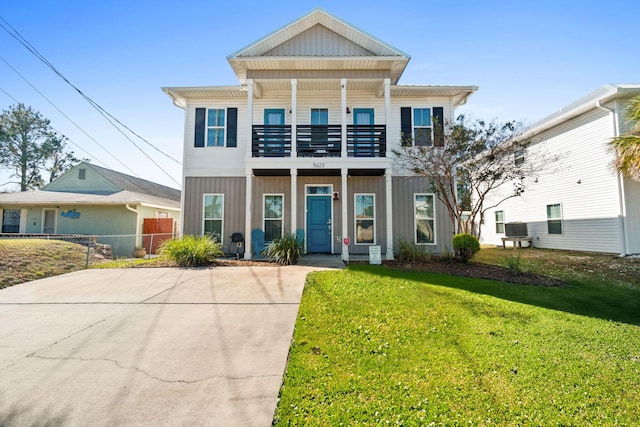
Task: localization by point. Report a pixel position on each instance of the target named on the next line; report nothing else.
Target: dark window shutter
(232, 127)
(199, 128)
(438, 118)
(405, 125)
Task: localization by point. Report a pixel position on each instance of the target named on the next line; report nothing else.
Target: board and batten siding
(581, 181)
(404, 189)
(234, 190)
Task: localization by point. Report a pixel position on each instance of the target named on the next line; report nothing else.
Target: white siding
(581, 182)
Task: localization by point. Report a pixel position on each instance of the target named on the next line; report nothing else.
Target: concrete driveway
(147, 346)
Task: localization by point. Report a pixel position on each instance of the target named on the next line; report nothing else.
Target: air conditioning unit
(516, 229)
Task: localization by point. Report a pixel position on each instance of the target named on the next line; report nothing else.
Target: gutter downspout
(129, 208)
(621, 200)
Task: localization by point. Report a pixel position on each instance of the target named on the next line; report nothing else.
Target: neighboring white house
(578, 203)
(304, 144)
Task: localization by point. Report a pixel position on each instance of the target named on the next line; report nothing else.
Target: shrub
(410, 252)
(514, 264)
(192, 251)
(285, 250)
(465, 246)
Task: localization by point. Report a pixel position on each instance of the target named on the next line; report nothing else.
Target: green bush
(410, 252)
(514, 264)
(192, 251)
(285, 250)
(465, 246)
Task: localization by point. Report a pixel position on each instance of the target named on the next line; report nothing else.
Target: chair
(300, 236)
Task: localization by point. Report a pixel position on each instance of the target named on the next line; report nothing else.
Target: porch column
(343, 133)
(294, 118)
(387, 113)
(389, 212)
(345, 214)
(294, 200)
(249, 118)
(248, 248)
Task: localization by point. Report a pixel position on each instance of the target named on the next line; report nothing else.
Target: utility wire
(16, 35)
(68, 139)
(67, 117)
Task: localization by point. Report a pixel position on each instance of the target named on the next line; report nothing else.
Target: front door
(49, 221)
(363, 138)
(319, 223)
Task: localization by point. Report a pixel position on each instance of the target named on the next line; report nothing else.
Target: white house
(578, 203)
(304, 144)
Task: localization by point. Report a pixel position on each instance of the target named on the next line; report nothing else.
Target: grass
(23, 260)
(376, 346)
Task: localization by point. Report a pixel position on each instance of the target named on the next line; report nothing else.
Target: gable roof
(114, 182)
(318, 41)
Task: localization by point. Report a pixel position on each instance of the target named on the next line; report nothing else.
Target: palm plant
(627, 146)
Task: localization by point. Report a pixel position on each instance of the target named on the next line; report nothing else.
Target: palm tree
(627, 146)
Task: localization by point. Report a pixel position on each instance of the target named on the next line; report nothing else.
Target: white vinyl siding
(213, 215)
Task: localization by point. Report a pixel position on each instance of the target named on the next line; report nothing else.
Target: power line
(110, 118)
(68, 139)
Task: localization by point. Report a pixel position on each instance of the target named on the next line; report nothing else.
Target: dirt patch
(477, 270)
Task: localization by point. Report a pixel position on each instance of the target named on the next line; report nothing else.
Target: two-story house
(304, 144)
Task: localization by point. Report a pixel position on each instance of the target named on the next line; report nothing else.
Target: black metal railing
(319, 140)
(271, 141)
(367, 141)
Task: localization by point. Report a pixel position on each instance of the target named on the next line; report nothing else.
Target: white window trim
(207, 127)
(415, 220)
(204, 196)
(414, 127)
(561, 219)
(355, 220)
(55, 220)
(265, 219)
(497, 222)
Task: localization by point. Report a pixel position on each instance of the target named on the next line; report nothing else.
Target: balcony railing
(319, 141)
(271, 141)
(366, 141)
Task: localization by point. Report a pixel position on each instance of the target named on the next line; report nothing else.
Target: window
(215, 128)
(499, 221)
(424, 219)
(518, 156)
(11, 221)
(82, 173)
(554, 219)
(319, 116)
(365, 217)
(273, 216)
(319, 189)
(422, 127)
(213, 215)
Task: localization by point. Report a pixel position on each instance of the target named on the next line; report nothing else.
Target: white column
(343, 104)
(294, 200)
(389, 213)
(387, 112)
(249, 117)
(248, 248)
(294, 118)
(345, 214)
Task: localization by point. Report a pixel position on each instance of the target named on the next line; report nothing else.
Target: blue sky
(528, 58)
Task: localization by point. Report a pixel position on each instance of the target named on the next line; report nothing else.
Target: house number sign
(318, 165)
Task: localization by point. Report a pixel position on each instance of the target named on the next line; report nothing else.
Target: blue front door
(319, 224)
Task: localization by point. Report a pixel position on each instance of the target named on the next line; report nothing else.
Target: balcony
(319, 141)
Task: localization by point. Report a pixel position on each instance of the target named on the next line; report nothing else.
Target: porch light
(348, 110)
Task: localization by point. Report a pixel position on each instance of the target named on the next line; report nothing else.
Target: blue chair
(300, 236)
(257, 242)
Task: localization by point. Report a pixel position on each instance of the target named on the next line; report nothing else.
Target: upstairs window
(422, 127)
(554, 219)
(518, 156)
(319, 116)
(215, 128)
(499, 221)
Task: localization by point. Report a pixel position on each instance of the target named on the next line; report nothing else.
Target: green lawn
(375, 346)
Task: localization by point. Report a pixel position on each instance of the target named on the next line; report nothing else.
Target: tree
(472, 158)
(29, 147)
(627, 147)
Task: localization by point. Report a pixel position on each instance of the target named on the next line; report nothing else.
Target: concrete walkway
(149, 346)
